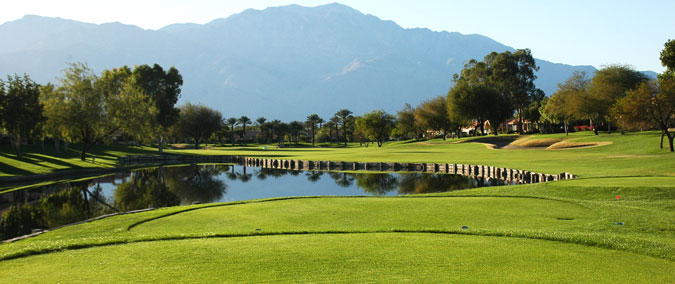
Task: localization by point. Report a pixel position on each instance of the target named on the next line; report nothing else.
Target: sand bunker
(576, 145)
(516, 142)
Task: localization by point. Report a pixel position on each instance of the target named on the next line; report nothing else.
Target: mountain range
(281, 62)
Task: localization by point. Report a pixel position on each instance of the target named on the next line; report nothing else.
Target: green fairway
(574, 231)
(36, 161)
(342, 258)
(331, 214)
(630, 155)
(375, 214)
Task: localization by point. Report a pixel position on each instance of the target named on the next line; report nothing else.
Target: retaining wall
(487, 172)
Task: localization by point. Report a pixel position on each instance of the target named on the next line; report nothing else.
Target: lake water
(57, 204)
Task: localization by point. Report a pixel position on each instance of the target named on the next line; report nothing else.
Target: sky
(576, 32)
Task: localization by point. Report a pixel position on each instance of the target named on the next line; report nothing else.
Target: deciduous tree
(21, 111)
(53, 126)
(377, 125)
(94, 110)
(134, 112)
(163, 88)
(608, 86)
(406, 124)
(198, 122)
(668, 57)
(433, 114)
(512, 74)
(478, 102)
(653, 103)
(568, 102)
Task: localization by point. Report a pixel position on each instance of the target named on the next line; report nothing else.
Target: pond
(63, 203)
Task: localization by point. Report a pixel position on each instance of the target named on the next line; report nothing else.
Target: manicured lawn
(573, 231)
(375, 214)
(341, 258)
(630, 155)
(35, 161)
(620, 158)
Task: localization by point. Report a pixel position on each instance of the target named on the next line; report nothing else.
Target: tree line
(140, 104)
(617, 95)
(89, 109)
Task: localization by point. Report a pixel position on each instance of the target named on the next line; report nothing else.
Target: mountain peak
(274, 62)
(337, 7)
(333, 8)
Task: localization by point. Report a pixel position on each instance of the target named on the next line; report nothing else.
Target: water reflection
(314, 176)
(170, 186)
(342, 179)
(422, 183)
(198, 183)
(377, 184)
(64, 203)
(71, 203)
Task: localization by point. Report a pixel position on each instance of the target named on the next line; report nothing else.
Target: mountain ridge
(281, 62)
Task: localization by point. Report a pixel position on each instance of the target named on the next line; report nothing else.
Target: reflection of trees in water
(342, 179)
(273, 172)
(197, 183)
(428, 183)
(145, 188)
(313, 176)
(244, 176)
(260, 174)
(170, 186)
(231, 175)
(376, 184)
(74, 202)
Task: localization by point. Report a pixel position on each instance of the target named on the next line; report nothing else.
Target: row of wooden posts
(488, 172)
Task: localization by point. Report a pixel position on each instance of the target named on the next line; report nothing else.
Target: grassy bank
(527, 239)
(366, 258)
(570, 231)
(619, 156)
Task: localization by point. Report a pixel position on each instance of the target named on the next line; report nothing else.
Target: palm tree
(281, 128)
(274, 128)
(334, 122)
(243, 120)
(312, 120)
(232, 121)
(294, 127)
(344, 115)
(320, 122)
(261, 123)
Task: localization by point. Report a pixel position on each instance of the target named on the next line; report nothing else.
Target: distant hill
(283, 62)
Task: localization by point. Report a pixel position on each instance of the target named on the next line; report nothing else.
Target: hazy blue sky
(579, 32)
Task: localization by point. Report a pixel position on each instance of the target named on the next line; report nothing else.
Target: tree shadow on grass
(109, 151)
(48, 159)
(11, 170)
(41, 161)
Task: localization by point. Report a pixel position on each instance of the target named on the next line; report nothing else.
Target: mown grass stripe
(652, 248)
